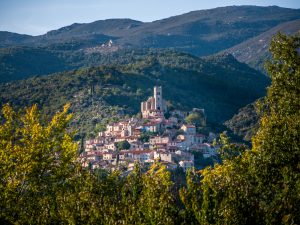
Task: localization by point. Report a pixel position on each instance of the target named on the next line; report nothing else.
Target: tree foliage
(196, 118)
(262, 185)
(37, 166)
(42, 182)
(122, 145)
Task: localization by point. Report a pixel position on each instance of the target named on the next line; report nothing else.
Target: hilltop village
(158, 135)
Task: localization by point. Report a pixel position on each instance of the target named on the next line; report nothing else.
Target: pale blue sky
(39, 16)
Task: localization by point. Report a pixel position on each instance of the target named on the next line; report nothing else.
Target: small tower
(158, 98)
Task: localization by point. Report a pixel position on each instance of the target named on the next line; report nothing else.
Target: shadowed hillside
(220, 84)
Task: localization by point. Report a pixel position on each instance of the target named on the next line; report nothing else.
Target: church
(155, 106)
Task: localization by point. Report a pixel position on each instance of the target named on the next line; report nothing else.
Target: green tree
(122, 145)
(227, 149)
(196, 118)
(131, 193)
(156, 200)
(37, 167)
(277, 145)
(262, 185)
(191, 196)
(144, 137)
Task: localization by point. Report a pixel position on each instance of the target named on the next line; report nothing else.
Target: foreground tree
(38, 169)
(42, 183)
(156, 202)
(276, 158)
(262, 185)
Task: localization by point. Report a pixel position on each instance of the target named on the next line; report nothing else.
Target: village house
(163, 156)
(110, 146)
(136, 145)
(109, 156)
(186, 165)
(170, 140)
(159, 139)
(207, 150)
(153, 126)
(141, 156)
(188, 129)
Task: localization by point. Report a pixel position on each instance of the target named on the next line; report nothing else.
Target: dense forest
(42, 182)
(219, 84)
(245, 122)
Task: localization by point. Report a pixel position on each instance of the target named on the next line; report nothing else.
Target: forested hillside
(245, 122)
(43, 183)
(220, 85)
(201, 33)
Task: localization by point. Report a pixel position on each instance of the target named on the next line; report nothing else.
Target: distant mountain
(11, 39)
(103, 42)
(109, 27)
(220, 85)
(202, 32)
(255, 51)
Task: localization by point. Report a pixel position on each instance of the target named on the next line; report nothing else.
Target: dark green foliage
(145, 137)
(245, 122)
(261, 185)
(196, 118)
(201, 162)
(220, 84)
(277, 141)
(122, 145)
(228, 150)
(21, 62)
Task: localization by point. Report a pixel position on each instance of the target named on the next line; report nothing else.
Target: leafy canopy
(261, 185)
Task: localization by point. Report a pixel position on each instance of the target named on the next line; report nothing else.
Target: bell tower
(158, 98)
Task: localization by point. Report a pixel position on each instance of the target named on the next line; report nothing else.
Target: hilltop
(201, 32)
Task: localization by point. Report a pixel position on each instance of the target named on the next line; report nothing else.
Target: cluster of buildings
(148, 139)
(107, 47)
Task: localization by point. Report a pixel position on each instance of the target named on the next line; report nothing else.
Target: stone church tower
(158, 98)
(155, 106)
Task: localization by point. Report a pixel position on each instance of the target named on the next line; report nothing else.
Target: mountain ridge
(218, 28)
(255, 51)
